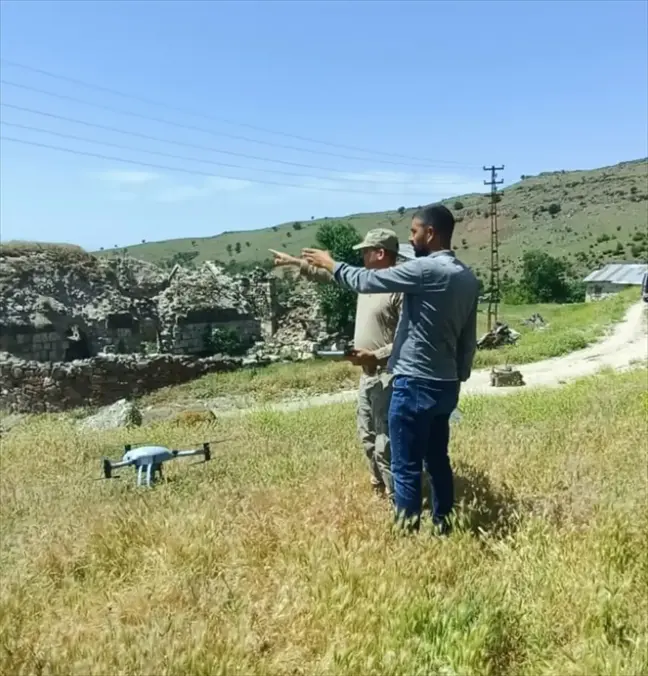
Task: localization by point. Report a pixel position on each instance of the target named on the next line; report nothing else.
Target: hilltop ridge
(589, 217)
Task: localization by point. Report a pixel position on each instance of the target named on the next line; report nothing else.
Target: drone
(148, 460)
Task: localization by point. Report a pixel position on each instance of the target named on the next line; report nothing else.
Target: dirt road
(626, 345)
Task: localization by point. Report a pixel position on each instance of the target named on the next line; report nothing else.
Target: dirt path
(626, 345)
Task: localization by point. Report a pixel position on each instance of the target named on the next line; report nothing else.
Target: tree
(458, 205)
(546, 279)
(297, 225)
(338, 304)
(554, 209)
(401, 211)
(229, 249)
(237, 247)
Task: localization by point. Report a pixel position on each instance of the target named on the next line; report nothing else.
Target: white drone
(149, 459)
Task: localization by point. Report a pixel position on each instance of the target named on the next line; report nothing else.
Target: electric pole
(494, 286)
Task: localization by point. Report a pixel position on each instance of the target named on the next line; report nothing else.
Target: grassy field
(602, 218)
(570, 327)
(275, 558)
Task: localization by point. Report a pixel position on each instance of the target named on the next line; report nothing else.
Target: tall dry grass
(275, 559)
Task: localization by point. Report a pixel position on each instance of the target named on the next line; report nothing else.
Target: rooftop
(619, 273)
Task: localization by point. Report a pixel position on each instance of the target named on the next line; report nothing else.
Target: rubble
(59, 303)
(122, 413)
(78, 330)
(300, 326)
(39, 387)
(501, 334)
(535, 321)
(506, 376)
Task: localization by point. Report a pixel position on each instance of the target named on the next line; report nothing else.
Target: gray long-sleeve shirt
(376, 315)
(436, 337)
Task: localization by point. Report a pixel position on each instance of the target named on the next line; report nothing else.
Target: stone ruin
(127, 321)
(506, 376)
(500, 335)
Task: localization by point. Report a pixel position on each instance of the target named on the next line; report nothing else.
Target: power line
(214, 118)
(198, 147)
(181, 157)
(494, 291)
(196, 172)
(203, 130)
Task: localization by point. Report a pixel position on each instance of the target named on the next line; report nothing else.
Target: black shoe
(442, 528)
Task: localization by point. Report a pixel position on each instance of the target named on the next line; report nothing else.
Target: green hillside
(589, 217)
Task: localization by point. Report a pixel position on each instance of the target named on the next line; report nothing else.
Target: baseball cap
(379, 238)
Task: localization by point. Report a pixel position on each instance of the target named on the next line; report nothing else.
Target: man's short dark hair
(440, 218)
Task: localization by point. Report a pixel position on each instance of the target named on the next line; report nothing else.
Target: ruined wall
(193, 338)
(29, 342)
(31, 386)
(65, 343)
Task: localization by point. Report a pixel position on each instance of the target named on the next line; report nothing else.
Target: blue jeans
(419, 429)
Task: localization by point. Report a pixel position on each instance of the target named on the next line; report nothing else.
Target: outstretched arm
(406, 278)
(310, 272)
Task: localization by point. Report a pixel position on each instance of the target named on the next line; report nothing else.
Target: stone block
(506, 377)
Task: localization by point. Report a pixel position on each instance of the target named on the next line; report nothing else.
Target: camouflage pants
(374, 396)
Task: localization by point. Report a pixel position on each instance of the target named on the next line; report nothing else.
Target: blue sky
(433, 90)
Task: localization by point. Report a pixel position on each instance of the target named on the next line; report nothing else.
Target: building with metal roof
(613, 278)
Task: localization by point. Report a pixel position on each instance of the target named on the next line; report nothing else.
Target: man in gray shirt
(432, 354)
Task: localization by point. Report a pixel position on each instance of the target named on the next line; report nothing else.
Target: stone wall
(35, 387)
(193, 338)
(69, 340)
(28, 342)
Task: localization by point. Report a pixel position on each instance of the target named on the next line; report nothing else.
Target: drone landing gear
(151, 471)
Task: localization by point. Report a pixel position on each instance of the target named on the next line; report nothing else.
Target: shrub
(338, 304)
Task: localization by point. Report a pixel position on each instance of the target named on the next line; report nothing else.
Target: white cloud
(208, 187)
(128, 177)
(401, 185)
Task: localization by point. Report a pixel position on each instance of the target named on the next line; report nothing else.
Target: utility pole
(494, 290)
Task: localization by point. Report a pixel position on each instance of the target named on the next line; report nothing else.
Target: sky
(159, 120)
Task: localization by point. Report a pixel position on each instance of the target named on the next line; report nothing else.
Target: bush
(225, 341)
(458, 205)
(338, 304)
(297, 225)
(554, 209)
(545, 279)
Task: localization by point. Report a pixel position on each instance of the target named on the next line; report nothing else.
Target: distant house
(614, 278)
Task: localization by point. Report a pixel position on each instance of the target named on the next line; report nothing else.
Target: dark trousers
(419, 429)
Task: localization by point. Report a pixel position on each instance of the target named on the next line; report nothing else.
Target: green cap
(379, 238)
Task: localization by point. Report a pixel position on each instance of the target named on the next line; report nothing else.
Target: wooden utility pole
(494, 286)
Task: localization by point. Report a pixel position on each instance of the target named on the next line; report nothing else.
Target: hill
(589, 217)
